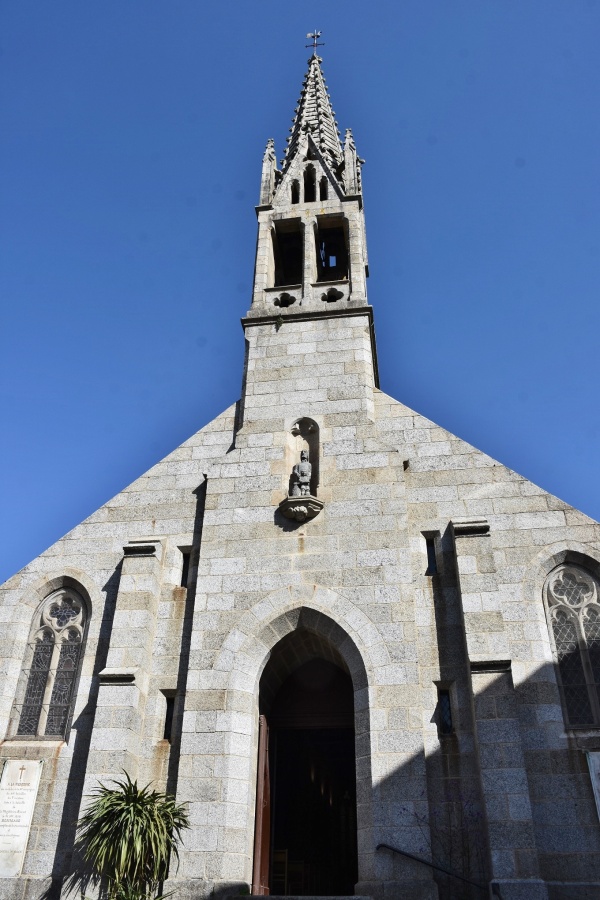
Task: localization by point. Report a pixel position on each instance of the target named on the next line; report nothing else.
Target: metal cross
(314, 37)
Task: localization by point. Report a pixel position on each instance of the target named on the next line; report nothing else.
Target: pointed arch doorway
(305, 828)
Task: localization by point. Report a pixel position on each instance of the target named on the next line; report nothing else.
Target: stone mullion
(310, 272)
(41, 727)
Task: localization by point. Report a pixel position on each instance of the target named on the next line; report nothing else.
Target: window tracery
(573, 599)
(55, 653)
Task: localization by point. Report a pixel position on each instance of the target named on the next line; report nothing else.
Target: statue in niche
(301, 475)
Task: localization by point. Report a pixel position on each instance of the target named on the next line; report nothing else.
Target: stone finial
(352, 165)
(267, 182)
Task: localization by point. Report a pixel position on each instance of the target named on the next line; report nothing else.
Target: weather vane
(314, 37)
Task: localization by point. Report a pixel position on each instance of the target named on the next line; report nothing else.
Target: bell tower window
(288, 253)
(310, 184)
(332, 251)
(295, 192)
(323, 188)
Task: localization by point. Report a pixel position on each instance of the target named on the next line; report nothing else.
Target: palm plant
(127, 835)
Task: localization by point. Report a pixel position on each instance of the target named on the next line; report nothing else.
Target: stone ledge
(300, 508)
(469, 526)
(117, 676)
(490, 665)
(146, 547)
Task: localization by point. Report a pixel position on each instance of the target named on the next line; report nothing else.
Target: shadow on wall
(186, 639)
(65, 861)
(83, 726)
(540, 817)
(444, 822)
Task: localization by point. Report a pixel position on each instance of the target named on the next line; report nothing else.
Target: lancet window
(310, 184)
(573, 599)
(54, 656)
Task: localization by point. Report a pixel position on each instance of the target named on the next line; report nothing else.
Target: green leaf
(127, 836)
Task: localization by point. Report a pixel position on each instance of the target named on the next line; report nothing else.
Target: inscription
(18, 792)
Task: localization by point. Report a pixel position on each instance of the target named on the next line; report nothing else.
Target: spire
(314, 115)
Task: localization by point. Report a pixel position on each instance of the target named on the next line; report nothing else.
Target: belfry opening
(305, 837)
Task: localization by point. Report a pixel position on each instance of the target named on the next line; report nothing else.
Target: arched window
(323, 188)
(55, 654)
(295, 192)
(573, 600)
(310, 184)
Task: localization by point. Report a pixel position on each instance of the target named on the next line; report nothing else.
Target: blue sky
(131, 138)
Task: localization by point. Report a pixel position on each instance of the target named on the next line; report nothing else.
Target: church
(365, 654)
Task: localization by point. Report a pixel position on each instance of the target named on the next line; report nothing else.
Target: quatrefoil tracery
(572, 587)
(62, 611)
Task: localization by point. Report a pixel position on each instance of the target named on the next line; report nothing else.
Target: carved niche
(302, 457)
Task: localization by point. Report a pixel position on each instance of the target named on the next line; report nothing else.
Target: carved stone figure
(301, 475)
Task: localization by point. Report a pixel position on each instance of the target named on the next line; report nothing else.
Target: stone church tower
(328, 625)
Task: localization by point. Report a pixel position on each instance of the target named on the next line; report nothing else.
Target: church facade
(353, 644)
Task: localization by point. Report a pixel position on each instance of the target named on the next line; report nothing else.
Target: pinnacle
(313, 114)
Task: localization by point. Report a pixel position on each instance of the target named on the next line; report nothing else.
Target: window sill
(282, 287)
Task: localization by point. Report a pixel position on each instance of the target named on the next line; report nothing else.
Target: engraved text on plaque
(18, 790)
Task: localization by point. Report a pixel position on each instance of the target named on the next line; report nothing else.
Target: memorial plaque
(18, 791)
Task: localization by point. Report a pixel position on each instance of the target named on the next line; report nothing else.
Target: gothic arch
(246, 651)
(247, 647)
(51, 657)
(554, 555)
(571, 625)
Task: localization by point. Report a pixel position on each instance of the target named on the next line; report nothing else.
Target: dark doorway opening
(314, 818)
(307, 780)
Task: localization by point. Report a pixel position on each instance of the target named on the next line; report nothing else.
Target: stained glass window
(573, 600)
(55, 653)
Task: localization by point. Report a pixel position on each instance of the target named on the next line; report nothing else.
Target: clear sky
(131, 139)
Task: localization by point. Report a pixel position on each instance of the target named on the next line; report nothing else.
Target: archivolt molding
(26, 612)
(538, 570)
(35, 593)
(31, 598)
(247, 647)
(549, 558)
(241, 662)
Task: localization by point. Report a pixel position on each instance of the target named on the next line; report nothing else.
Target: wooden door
(262, 826)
